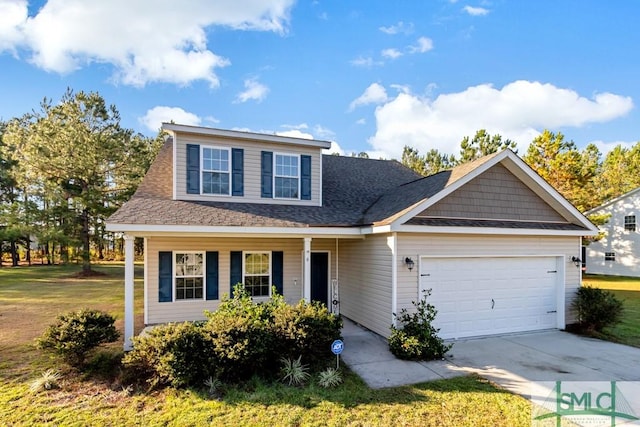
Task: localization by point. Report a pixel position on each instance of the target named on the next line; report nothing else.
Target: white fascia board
(190, 230)
(251, 136)
(612, 201)
(424, 229)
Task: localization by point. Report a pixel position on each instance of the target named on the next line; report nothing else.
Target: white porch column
(128, 291)
(307, 269)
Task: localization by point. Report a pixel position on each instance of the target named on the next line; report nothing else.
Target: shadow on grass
(352, 393)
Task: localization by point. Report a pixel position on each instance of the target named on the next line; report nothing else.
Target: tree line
(64, 168)
(586, 177)
(67, 166)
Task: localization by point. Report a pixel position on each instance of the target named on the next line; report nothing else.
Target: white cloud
(400, 27)
(295, 133)
(518, 111)
(391, 53)
(154, 117)
(254, 90)
(145, 40)
(364, 61)
(475, 11)
(335, 148)
(361, 121)
(424, 44)
(374, 94)
(605, 147)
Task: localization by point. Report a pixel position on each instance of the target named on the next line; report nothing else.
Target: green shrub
(238, 341)
(76, 333)
(596, 308)
(305, 329)
(417, 339)
(241, 337)
(177, 354)
(294, 372)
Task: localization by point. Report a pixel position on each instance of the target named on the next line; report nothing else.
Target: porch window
(609, 256)
(257, 273)
(630, 223)
(189, 275)
(215, 171)
(287, 176)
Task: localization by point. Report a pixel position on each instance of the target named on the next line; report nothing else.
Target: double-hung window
(215, 171)
(630, 223)
(257, 273)
(609, 256)
(189, 275)
(287, 176)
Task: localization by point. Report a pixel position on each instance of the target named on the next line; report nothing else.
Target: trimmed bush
(417, 339)
(238, 341)
(305, 329)
(241, 337)
(596, 308)
(176, 354)
(76, 333)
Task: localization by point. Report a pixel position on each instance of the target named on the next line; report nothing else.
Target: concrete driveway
(511, 361)
(514, 361)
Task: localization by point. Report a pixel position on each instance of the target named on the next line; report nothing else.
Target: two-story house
(491, 239)
(618, 252)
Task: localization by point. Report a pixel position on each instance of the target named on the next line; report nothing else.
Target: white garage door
(487, 296)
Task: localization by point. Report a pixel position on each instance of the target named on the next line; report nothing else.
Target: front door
(319, 276)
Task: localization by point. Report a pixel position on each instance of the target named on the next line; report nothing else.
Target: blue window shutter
(165, 277)
(277, 271)
(236, 269)
(193, 169)
(212, 275)
(305, 177)
(237, 172)
(267, 174)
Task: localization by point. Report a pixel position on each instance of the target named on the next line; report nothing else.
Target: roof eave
(243, 135)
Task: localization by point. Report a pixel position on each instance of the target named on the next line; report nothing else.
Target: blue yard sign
(336, 348)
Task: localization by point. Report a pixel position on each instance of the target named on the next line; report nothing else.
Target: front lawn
(31, 297)
(628, 290)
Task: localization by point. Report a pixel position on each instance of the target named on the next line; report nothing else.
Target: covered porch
(187, 273)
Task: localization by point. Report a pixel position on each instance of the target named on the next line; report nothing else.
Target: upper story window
(215, 171)
(287, 176)
(630, 223)
(609, 256)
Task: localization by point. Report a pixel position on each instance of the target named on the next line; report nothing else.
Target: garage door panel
(483, 296)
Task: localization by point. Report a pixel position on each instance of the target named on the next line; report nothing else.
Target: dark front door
(319, 276)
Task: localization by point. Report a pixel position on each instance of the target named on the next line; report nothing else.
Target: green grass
(628, 290)
(31, 297)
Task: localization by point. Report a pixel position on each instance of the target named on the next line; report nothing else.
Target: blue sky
(369, 75)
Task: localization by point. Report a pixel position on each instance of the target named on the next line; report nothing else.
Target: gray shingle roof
(356, 192)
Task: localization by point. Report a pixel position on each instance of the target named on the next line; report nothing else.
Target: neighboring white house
(491, 239)
(618, 252)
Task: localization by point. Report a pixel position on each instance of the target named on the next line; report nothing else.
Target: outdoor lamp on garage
(409, 263)
(577, 261)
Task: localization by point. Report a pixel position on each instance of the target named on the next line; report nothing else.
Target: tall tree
(429, 164)
(78, 151)
(482, 145)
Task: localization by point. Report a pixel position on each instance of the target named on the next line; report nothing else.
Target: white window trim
(275, 175)
(174, 276)
(202, 169)
(635, 223)
(262, 297)
(610, 257)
